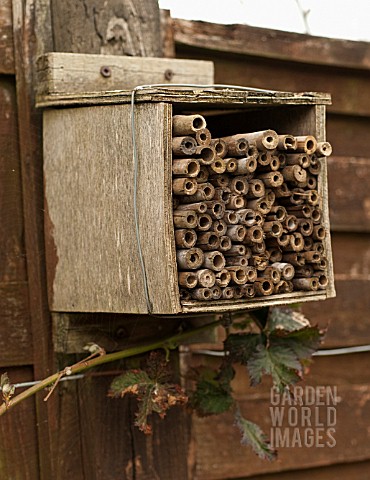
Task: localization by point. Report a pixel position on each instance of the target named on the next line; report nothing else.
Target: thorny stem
(166, 343)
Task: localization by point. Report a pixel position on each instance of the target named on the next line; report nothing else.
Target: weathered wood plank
(274, 44)
(349, 195)
(66, 73)
(18, 439)
(16, 345)
(6, 38)
(112, 28)
(219, 455)
(12, 252)
(349, 89)
(347, 135)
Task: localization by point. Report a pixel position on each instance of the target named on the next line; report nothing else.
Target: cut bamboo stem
(188, 279)
(205, 277)
(191, 258)
(184, 145)
(184, 186)
(185, 219)
(187, 124)
(185, 238)
(214, 261)
(306, 144)
(203, 137)
(220, 146)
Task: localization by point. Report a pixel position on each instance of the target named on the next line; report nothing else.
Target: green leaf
(302, 342)
(285, 319)
(212, 394)
(279, 362)
(241, 346)
(252, 435)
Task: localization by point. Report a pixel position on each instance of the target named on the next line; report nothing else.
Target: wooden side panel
(89, 178)
(72, 73)
(6, 38)
(18, 440)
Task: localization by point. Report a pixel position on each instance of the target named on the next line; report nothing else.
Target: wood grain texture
(349, 196)
(12, 252)
(6, 38)
(265, 43)
(97, 263)
(18, 441)
(16, 345)
(352, 143)
(66, 73)
(117, 27)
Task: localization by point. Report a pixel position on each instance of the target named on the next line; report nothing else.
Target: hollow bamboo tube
(273, 229)
(238, 292)
(184, 145)
(205, 277)
(261, 205)
(240, 261)
(225, 244)
(184, 294)
(300, 211)
(201, 294)
(308, 244)
(322, 265)
(319, 233)
(248, 290)
(191, 258)
(290, 223)
(222, 194)
(215, 209)
(305, 226)
(282, 159)
(238, 275)
(272, 179)
(186, 167)
(205, 155)
(185, 238)
(231, 217)
(313, 197)
(203, 174)
(315, 165)
(218, 166)
(311, 182)
(264, 140)
(264, 159)
(220, 180)
(273, 166)
(254, 235)
(272, 273)
(246, 217)
(204, 192)
(323, 281)
(283, 287)
(184, 186)
(219, 227)
(263, 287)
(237, 145)
(286, 270)
(294, 258)
(199, 207)
(231, 165)
(256, 189)
(208, 241)
(283, 191)
(306, 271)
(236, 232)
(188, 279)
(223, 278)
(251, 273)
(204, 222)
(312, 256)
(306, 144)
(260, 262)
(277, 213)
(235, 202)
(324, 149)
(301, 159)
(287, 142)
(283, 240)
(306, 284)
(203, 137)
(185, 218)
(258, 248)
(296, 243)
(245, 165)
(238, 249)
(294, 173)
(187, 124)
(318, 247)
(239, 185)
(216, 292)
(227, 293)
(214, 261)
(259, 219)
(220, 146)
(275, 254)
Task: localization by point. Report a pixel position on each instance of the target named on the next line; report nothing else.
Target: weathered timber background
(80, 434)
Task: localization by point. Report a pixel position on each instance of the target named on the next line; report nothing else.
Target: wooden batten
(93, 260)
(66, 73)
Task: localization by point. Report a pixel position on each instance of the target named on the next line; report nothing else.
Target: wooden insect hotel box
(226, 189)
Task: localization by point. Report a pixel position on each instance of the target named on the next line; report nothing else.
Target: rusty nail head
(105, 71)
(168, 74)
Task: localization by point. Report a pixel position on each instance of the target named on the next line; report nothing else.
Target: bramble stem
(167, 343)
